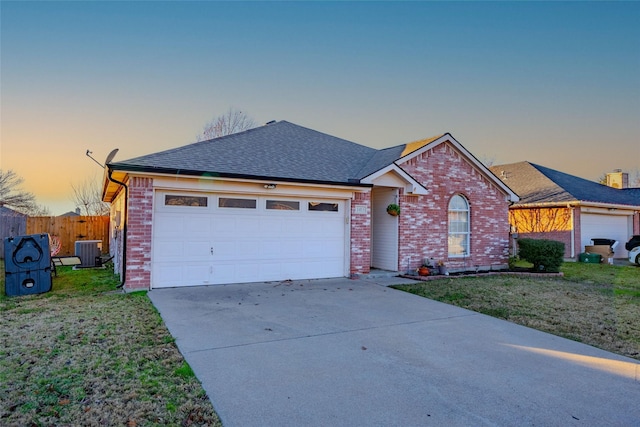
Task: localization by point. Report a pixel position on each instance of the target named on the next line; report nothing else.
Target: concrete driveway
(342, 352)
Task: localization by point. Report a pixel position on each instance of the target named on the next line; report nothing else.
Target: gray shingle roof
(5, 211)
(381, 159)
(538, 184)
(278, 150)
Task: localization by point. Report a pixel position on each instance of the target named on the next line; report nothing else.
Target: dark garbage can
(607, 242)
(27, 264)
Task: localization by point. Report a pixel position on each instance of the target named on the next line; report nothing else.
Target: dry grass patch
(598, 305)
(84, 355)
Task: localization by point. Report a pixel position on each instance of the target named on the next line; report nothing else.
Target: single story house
(558, 206)
(282, 201)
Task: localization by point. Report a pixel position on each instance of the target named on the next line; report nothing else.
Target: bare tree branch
(87, 196)
(232, 121)
(14, 197)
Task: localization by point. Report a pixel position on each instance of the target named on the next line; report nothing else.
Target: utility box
(27, 265)
(89, 252)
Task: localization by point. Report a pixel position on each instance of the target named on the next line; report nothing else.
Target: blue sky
(554, 83)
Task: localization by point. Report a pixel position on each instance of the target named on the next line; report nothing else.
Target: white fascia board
(236, 186)
(585, 206)
(513, 197)
(413, 186)
(609, 209)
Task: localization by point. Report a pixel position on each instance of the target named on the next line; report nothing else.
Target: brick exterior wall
(139, 222)
(423, 232)
(360, 242)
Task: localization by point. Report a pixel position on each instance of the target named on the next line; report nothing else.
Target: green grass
(597, 304)
(83, 354)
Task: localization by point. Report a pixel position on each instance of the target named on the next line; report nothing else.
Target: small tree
(14, 197)
(232, 121)
(87, 196)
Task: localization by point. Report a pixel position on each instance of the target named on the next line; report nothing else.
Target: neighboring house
(286, 202)
(558, 206)
(12, 223)
(71, 213)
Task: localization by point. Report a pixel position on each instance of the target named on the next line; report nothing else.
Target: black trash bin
(607, 242)
(27, 264)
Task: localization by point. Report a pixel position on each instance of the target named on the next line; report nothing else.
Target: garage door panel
(290, 249)
(168, 225)
(198, 225)
(249, 245)
(273, 227)
(174, 274)
(167, 251)
(322, 248)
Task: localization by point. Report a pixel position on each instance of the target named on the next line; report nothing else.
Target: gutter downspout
(124, 228)
(573, 232)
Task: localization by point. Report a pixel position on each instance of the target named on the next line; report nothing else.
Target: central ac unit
(89, 252)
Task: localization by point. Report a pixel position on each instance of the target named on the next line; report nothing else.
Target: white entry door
(384, 230)
(216, 239)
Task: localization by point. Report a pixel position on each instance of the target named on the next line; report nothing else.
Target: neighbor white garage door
(606, 227)
(205, 239)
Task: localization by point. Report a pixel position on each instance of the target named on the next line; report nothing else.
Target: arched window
(459, 227)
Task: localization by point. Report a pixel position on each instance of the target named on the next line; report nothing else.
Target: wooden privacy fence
(71, 228)
(10, 226)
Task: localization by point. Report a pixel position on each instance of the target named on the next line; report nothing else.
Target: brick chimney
(618, 179)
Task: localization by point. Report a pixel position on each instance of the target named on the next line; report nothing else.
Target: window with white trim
(459, 227)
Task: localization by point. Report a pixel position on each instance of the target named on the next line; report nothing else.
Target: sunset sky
(554, 83)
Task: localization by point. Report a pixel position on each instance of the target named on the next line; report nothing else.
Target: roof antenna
(89, 153)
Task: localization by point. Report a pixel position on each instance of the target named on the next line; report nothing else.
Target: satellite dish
(110, 157)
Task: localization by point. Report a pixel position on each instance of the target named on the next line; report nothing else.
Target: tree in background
(634, 178)
(14, 197)
(87, 196)
(232, 121)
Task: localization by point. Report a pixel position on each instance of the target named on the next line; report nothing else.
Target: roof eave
(576, 203)
(417, 187)
(126, 169)
(513, 197)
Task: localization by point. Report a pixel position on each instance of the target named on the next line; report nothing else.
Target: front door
(384, 229)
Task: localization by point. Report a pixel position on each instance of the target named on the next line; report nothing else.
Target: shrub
(545, 255)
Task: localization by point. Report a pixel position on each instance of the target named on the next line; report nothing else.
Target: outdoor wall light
(270, 186)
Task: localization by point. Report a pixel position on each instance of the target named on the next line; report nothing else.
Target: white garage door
(606, 227)
(205, 239)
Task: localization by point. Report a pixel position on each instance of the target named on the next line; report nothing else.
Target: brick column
(360, 235)
(140, 216)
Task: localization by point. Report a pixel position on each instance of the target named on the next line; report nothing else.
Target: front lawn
(595, 304)
(85, 355)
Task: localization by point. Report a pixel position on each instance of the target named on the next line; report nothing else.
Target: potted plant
(442, 268)
(393, 209)
(423, 271)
